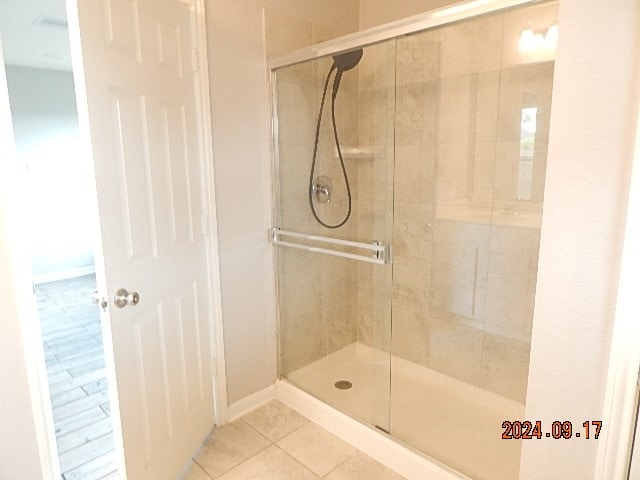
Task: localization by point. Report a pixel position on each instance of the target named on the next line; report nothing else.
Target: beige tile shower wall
(463, 286)
(302, 333)
(338, 276)
(466, 249)
(398, 91)
(417, 86)
(318, 305)
(376, 116)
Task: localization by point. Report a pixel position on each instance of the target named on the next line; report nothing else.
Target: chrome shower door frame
(406, 26)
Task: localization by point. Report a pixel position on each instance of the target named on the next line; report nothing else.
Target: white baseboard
(375, 444)
(57, 276)
(250, 403)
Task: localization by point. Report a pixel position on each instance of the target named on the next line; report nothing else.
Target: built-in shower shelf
(357, 153)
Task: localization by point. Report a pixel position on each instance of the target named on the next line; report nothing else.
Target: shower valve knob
(321, 189)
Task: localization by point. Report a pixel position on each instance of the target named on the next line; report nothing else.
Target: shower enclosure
(415, 315)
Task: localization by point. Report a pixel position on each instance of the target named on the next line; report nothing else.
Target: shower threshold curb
(374, 443)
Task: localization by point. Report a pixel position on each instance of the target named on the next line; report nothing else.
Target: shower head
(348, 60)
(342, 63)
(318, 187)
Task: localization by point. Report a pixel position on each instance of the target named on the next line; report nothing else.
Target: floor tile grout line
(284, 436)
(87, 424)
(80, 428)
(245, 460)
(254, 429)
(296, 460)
(193, 459)
(85, 445)
(88, 461)
(79, 411)
(343, 461)
(67, 317)
(251, 456)
(295, 429)
(108, 475)
(87, 374)
(275, 443)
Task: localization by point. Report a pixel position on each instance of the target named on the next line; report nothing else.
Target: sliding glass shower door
(334, 281)
(472, 127)
(415, 313)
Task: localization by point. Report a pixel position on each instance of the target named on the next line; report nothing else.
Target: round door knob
(123, 298)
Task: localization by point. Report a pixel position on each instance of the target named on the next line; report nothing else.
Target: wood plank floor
(77, 378)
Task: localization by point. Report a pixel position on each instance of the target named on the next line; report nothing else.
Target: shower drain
(343, 385)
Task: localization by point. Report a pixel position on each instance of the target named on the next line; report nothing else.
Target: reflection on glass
(528, 126)
(335, 313)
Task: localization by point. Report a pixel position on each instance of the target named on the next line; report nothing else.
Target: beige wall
(593, 120)
(377, 12)
(240, 142)
(240, 109)
(291, 24)
(19, 454)
(325, 19)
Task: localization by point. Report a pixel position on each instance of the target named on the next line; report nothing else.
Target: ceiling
(34, 34)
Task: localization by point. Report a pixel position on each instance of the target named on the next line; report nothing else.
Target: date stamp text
(526, 430)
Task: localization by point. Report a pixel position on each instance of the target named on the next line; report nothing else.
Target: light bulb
(531, 41)
(527, 41)
(551, 38)
(538, 41)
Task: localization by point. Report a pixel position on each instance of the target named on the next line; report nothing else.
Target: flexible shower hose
(315, 152)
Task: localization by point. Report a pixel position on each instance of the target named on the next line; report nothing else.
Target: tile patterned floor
(275, 442)
(77, 378)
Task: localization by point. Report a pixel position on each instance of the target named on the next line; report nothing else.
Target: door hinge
(100, 300)
(195, 60)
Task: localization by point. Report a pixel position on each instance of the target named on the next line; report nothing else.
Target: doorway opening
(72, 342)
(62, 227)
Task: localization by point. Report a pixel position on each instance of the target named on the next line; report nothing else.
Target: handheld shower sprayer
(342, 62)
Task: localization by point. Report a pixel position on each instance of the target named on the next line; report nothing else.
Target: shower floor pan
(453, 422)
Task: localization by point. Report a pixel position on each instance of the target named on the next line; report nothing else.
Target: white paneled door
(140, 100)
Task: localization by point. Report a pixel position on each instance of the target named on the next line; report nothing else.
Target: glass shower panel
(335, 310)
(472, 123)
